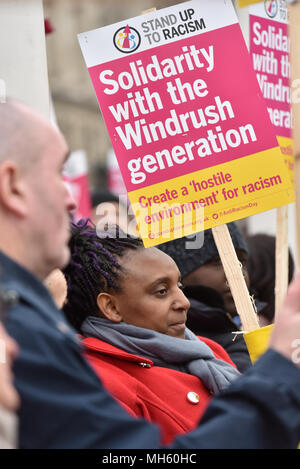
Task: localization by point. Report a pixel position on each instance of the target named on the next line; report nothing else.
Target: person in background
(136, 338)
(262, 269)
(63, 402)
(9, 398)
(109, 210)
(56, 283)
(100, 199)
(212, 312)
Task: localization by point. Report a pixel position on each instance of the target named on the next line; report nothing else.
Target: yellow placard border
(188, 218)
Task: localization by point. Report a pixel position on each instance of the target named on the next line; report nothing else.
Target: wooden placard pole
(294, 13)
(148, 11)
(23, 61)
(281, 257)
(233, 272)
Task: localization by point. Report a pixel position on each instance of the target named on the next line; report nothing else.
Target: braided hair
(93, 268)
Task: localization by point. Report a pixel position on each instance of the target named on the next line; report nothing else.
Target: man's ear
(108, 308)
(12, 188)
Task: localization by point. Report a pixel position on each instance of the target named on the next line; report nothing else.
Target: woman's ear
(107, 307)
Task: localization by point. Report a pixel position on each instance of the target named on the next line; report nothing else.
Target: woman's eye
(162, 291)
(180, 285)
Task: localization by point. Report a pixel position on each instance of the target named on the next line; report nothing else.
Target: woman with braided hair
(127, 303)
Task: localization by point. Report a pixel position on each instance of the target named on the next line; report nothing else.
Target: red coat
(158, 394)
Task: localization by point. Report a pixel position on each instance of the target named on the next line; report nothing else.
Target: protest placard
(269, 46)
(186, 118)
(295, 74)
(265, 27)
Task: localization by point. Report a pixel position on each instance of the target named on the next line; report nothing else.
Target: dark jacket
(65, 406)
(207, 317)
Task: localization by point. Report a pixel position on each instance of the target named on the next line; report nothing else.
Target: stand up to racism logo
(127, 39)
(271, 7)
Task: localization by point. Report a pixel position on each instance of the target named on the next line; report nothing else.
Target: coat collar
(29, 289)
(96, 345)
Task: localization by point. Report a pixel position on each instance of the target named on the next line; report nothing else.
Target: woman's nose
(181, 301)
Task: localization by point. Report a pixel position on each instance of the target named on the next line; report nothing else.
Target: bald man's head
(34, 201)
(23, 133)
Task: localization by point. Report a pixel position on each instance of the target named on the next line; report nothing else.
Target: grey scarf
(191, 355)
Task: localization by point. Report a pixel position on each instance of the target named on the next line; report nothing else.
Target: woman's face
(151, 295)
